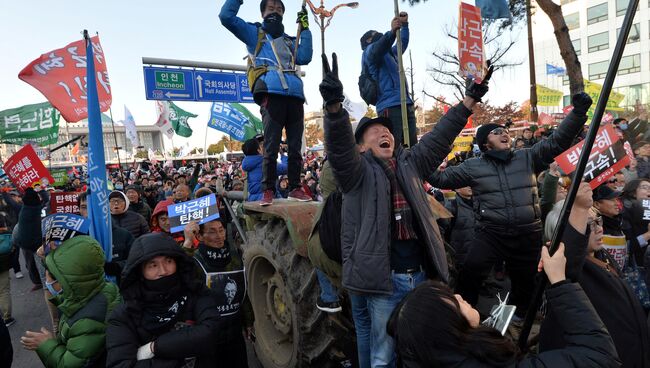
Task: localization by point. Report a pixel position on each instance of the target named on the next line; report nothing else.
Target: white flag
(163, 123)
(356, 109)
(129, 124)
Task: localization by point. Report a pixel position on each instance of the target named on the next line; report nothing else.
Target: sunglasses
(499, 131)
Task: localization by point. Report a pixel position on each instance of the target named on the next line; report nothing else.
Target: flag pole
(117, 150)
(580, 168)
(295, 51)
(402, 82)
(205, 145)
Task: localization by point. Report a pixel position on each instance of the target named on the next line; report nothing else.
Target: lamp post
(321, 14)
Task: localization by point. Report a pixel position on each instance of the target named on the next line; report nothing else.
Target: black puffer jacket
(505, 190)
(126, 333)
(461, 228)
(132, 222)
(142, 208)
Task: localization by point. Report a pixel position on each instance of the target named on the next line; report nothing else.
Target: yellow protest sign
(547, 96)
(461, 144)
(593, 90)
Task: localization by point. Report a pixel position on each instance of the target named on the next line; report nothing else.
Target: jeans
(395, 115)
(281, 112)
(328, 292)
(382, 349)
(362, 328)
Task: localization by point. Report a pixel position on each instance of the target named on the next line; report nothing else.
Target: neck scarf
(215, 258)
(163, 302)
(402, 221)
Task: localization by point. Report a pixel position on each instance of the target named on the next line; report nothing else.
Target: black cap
(604, 192)
(482, 133)
(365, 122)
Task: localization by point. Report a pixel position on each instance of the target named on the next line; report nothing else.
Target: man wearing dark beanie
(506, 203)
(276, 85)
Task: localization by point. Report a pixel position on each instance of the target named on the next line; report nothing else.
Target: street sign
(194, 85)
(169, 84)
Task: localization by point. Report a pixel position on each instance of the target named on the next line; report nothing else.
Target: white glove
(145, 351)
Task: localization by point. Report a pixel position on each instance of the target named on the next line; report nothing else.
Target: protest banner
(547, 96)
(617, 248)
(645, 205)
(60, 75)
(60, 177)
(63, 226)
(25, 169)
(201, 210)
(470, 43)
(228, 287)
(234, 120)
(64, 202)
(163, 123)
(607, 157)
(461, 144)
(37, 123)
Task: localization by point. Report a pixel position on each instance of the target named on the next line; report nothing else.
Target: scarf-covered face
(163, 301)
(216, 258)
(273, 25)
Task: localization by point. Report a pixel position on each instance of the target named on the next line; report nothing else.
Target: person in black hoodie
(122, 217)
(167, 318)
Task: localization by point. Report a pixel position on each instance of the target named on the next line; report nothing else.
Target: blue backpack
(5, 243)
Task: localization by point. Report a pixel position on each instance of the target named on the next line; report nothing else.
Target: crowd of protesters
(412, 273)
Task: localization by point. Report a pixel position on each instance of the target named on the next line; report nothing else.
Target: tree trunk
(568, 53)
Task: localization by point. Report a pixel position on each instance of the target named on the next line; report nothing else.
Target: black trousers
(15, 259)
(521, 254)
(233, 353)
(281, 112)
(395, 115)
(32, 268)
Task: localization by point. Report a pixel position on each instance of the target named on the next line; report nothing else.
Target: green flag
(60, 177)
(37, 123)
(178, 117)
(254, 125)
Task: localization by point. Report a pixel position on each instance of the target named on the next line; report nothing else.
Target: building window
(630, 64)
(562, 2)
(566, 100)
(635, 33)
(638, 94)
(597, 42)
(577, 46)
(572, 20)
(621, 7)
(597, 13)
(598, 70)
(565, 81)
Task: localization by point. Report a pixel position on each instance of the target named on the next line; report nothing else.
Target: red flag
(25, 169)
(470, 123)
(545, 119)
(60, 75)
(75, 150)
(470, 42)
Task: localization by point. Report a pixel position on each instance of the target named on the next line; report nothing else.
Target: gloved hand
(303, 18)
(31, 198)
(331, 87)
(476, 90)
(581, 103)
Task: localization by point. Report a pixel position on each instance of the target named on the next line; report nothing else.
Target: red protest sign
(470, 42)
(25, 169)
(60, 75)
(607, 157)
(64, 202)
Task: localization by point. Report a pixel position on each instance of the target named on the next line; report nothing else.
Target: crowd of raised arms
(409, 247)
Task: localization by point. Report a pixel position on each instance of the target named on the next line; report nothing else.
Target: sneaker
(19, 275)
(267, 199)
(9, 321)
(299, 195)
(37, 287)
(333, 307)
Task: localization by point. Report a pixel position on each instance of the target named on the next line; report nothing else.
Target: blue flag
(98, 211)
(493, 9)
(552, 69)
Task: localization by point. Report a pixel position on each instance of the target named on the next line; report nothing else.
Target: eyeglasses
(595, 222)
(499, 131)
(644, 187)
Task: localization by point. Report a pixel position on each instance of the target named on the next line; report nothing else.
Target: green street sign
(170, 80)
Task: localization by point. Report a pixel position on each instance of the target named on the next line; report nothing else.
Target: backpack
(329, 228)
(254, 72)
(5, 243)
(368, 87)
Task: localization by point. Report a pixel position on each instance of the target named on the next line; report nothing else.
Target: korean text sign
(64, 202)
(63, 226)
(607, 157)
(470, 43)
(60, 75)
(25, 169)
(461, 144)
(37, 123)
(201, 210)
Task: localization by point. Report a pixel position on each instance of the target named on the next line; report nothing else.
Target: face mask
(159, 183)
(163, 283)
(51, 289)
(623, 126)
(273, 25)
(119, 187)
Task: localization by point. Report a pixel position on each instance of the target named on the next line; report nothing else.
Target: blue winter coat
(253, 167)
(248, 34)
(381, 60)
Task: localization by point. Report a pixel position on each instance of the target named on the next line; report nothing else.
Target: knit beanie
(482, 133)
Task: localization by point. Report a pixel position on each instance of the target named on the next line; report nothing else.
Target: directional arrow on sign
(172, 95)
(200, 80)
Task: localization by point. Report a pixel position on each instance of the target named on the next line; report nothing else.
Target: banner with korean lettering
(547, 96)
(37, 123)
(64, 202)
(60, 177)
(607, 157)
(234, 120)
(593, 90)
(25, 169)
(470, 43)
(60, 75)
(201, 210)
(63, 226)
(461, 144)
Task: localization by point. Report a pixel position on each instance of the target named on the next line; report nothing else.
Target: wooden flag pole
(295, 51)
(402, 83)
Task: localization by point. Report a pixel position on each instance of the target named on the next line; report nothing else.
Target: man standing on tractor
(276, 85)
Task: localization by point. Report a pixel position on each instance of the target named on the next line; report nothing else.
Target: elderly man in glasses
(506, 203)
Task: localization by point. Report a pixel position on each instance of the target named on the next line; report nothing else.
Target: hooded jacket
(253, 167)
(505, 194)
(269, 82)
(85, 303)
(126, 333)
(142, 208)
(367, 205)
(129, 220)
